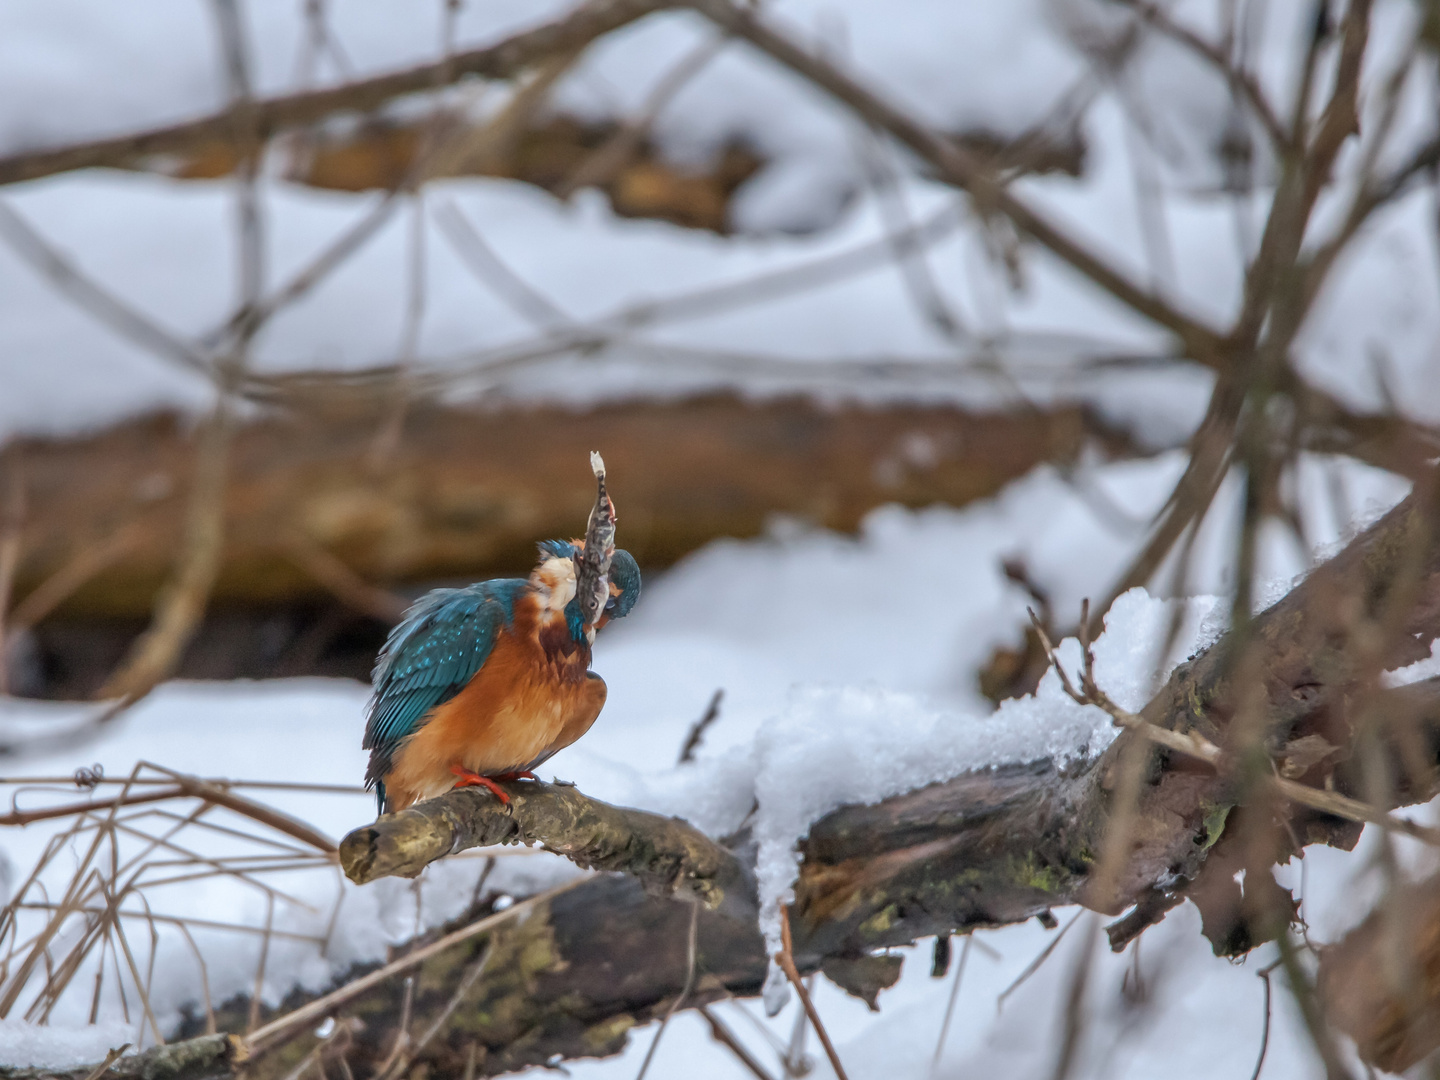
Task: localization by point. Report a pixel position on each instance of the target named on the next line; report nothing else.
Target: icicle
(776, 993)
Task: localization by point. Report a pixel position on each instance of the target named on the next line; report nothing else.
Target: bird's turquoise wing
(442, 641)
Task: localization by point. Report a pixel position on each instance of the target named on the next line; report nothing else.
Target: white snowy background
(848, 663)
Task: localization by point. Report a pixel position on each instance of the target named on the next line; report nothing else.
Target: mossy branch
(664, 854)
(192, 1059)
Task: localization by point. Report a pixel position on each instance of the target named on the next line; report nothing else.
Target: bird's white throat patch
(555, 581)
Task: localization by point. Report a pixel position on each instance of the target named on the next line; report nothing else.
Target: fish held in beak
(592, 569)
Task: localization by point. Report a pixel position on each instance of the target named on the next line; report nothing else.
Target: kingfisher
(483, 684)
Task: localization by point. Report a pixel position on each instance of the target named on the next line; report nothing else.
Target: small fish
(592, 565)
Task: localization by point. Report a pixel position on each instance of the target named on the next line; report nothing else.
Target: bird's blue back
(442, 641)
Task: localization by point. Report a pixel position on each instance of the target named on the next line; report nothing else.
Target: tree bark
(194, 1059)
(468, 491)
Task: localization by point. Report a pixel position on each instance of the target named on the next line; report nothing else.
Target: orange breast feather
(520, 705)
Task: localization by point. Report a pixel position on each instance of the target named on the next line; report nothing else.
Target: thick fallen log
(466, 492)
(988, 848)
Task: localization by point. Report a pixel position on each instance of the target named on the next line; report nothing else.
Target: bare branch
(1240, 80)
(26, 242)
(959, 167)
(347, 586)
(664, 853)
(786, 959)
(503, 60)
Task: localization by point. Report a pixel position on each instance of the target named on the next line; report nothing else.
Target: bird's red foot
(470, 779)
(523, 774)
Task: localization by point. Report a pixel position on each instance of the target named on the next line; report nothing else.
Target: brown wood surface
(465, 493)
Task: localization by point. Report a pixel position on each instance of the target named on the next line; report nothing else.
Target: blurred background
(958, 309)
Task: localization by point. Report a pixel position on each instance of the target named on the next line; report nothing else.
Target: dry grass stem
(725, 1037)
(787, 964)
(698, 729)
(281, 1028)
(680, 999)
(1194, 745)
(109, 889)
(950, 1004)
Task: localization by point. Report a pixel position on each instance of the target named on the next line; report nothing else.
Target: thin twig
(1264, 974)
(915, 273)
(110, 1058)
(211, 781)
(480, 258)
(1193, 744)
(180, 605)
(697, 729)
(281, 1028)
(265, 815)
(344, 583)
(950, 1005)
(49, 813)
(600, 166)
(1075, 1004)
(95, 299)
(723, 1035)
(690, 946)
(90, 559)
(786, 960)
(957, 166)
(502, 60)
(1240, 80)
(12, 524)
(1038, 962)
(467, 981)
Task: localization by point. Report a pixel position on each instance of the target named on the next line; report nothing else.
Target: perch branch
(665, 854)
(958, 166)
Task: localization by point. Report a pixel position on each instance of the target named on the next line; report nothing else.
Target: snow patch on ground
(59, 1046)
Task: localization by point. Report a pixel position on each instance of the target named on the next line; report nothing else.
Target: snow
(59, 1045)
(984, 69)
(857, 686)
(848, 663)
(168, 248)
(833, 746)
